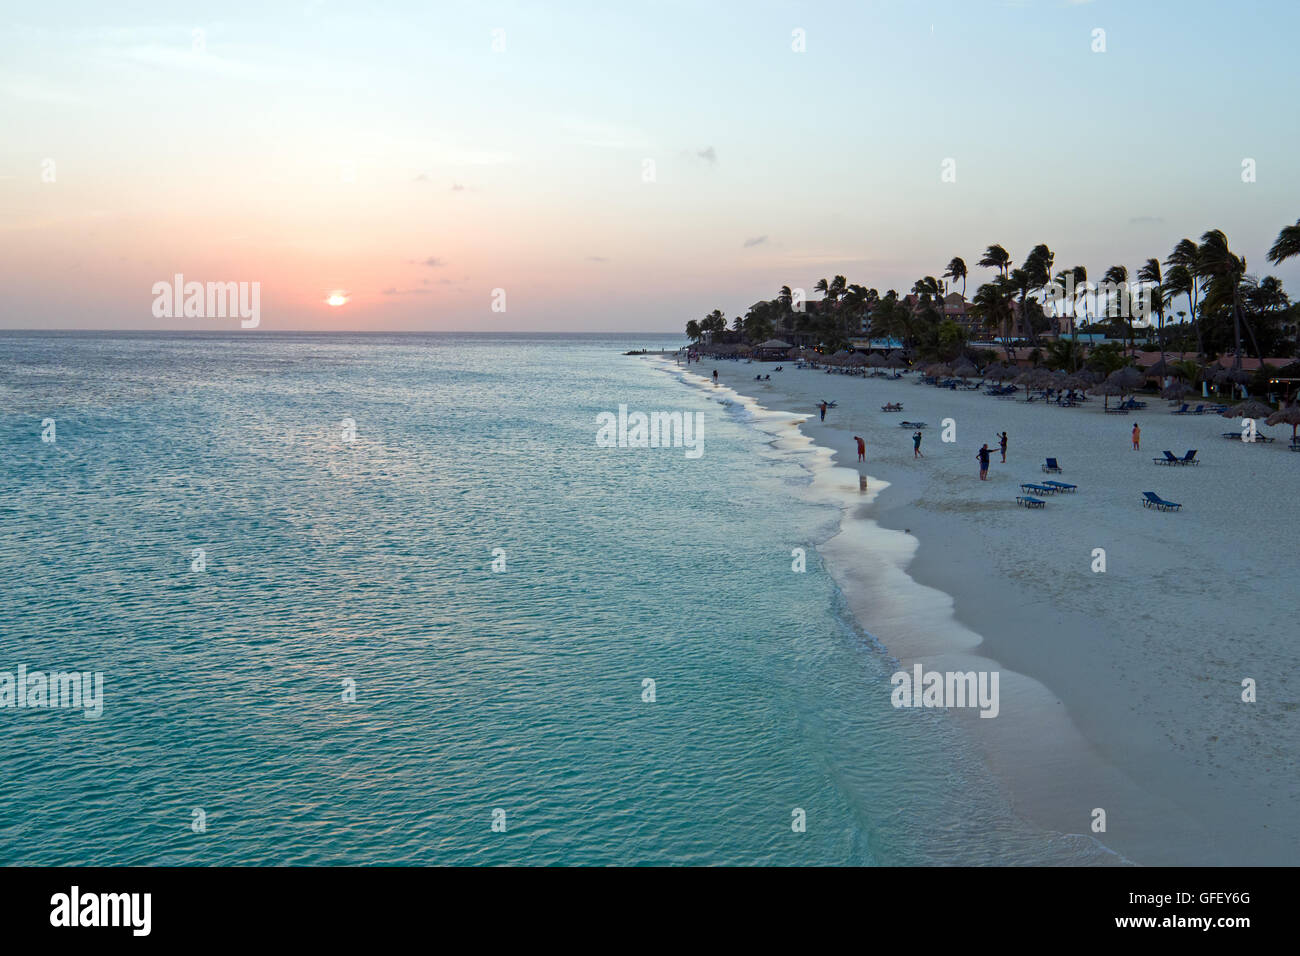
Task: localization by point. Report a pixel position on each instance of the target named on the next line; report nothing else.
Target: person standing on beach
(916, 445)
(983, 455)
(822, 406)
(862, 446)
(715, 376)
(1002, 443)
(1137, 436)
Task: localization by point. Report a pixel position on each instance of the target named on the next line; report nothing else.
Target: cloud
(422, 178)
(1146, 221)
(433, 262)
(756, 241)
(393, 290)
(597, 259)
(708, 154)
(457, 187)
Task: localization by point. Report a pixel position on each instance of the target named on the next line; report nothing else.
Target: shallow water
(369, 561)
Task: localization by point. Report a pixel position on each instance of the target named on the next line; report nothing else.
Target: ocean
(382, 599)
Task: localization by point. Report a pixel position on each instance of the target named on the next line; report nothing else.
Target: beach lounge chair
(1169, 459)
(1030, 502)
(1189, 458)
(892, 407)
(1152, 500)
(1030, 486)
(1051, 467)
(1198, 410)
(1062, 486)
(1295, 444)
(1183, 410)
(916, 425)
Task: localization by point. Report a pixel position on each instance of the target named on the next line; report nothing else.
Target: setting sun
(337, 299)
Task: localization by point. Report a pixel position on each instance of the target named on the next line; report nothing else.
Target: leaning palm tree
(1287, 244)
(957, 270)
(1183, 264)
(1150, 274)
(995, 257)
(1224, 270)
(1117, 278)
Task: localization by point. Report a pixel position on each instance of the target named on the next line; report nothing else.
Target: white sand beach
(1120, 690)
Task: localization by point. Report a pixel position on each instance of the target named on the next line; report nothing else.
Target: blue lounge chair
(1062, 486)
(1169, 459)
(1198, 410)
(1029, 486)
(1183, 410)
(1030, 502)
(1051, 467)
(1152, 500)
(1189, 458)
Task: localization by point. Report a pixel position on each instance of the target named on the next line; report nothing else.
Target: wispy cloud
(756, 241)
(708, 154)
(393, 290)
(597, 259)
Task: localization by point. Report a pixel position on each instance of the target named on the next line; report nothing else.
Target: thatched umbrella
(964, 368)
(856, 359)
(999, 372)
(1163, 369)
(1176, 391)
(876, 360)
(895, 360)
(1031, 378)
(1251, 409)
(1230, 377)
(1286, 416)
(1128, 379)
(939, 371)
(1108, 389)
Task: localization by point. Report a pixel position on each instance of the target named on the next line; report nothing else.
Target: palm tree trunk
(1236, 327)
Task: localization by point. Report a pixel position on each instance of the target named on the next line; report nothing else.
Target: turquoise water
(371, 561)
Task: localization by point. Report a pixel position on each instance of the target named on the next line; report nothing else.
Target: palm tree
(1150, 274)
(991, 305)
(693, 331)
(1021, 280)
(1287, 245)
(1224, 270)
(995, 257)
(1183, 278)
(957, 270)
(1117, 277)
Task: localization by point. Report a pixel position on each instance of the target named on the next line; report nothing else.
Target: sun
(337, 299)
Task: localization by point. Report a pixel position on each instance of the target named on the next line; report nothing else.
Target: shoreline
(912, 576)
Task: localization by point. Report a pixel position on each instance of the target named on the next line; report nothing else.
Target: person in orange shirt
(1137, 436)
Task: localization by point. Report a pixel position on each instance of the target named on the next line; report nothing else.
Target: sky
(622, 166)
